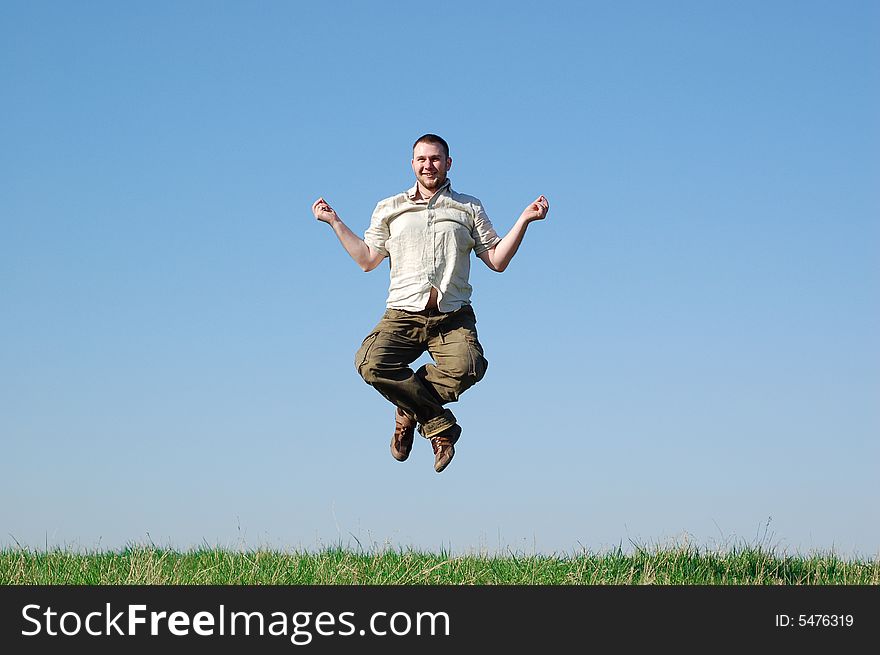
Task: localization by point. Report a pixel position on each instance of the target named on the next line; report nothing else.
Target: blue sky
(685, 350)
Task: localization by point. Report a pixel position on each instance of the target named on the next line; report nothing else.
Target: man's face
(430, 164)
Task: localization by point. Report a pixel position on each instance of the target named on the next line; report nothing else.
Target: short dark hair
(433, 138)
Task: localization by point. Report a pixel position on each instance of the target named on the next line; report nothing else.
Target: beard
(433, 183)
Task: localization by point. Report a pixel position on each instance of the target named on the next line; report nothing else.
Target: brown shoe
(402, 440)
(444, 447)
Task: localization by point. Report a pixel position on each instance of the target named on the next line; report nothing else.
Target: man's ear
(448, 163)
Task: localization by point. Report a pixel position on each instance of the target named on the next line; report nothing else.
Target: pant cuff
(437, 424)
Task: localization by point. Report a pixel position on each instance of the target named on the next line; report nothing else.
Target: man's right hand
(324, 212)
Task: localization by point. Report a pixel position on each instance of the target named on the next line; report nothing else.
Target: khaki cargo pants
(400, 338)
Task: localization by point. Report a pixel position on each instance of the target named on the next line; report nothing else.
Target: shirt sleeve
(377, 234)
(483, 234)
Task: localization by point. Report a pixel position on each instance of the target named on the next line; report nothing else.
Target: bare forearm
(501, 254)
(359, 251)
(365, 257)
(499, 257)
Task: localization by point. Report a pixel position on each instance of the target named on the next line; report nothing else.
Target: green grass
(142, 565)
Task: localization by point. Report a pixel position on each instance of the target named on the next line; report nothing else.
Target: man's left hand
(536, 211)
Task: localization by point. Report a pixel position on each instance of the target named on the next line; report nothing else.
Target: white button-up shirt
(429, 244)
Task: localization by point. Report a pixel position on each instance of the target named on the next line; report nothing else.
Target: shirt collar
(413, 190)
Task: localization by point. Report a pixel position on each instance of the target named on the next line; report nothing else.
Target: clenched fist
(536, 211)
(323, 211)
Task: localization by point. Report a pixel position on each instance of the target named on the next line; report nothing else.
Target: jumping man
(428, 233)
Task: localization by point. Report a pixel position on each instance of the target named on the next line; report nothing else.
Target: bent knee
(370, 374)
(476, 361)
(463, 372)
(362, 357)
(465, 380)
(369, 371)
